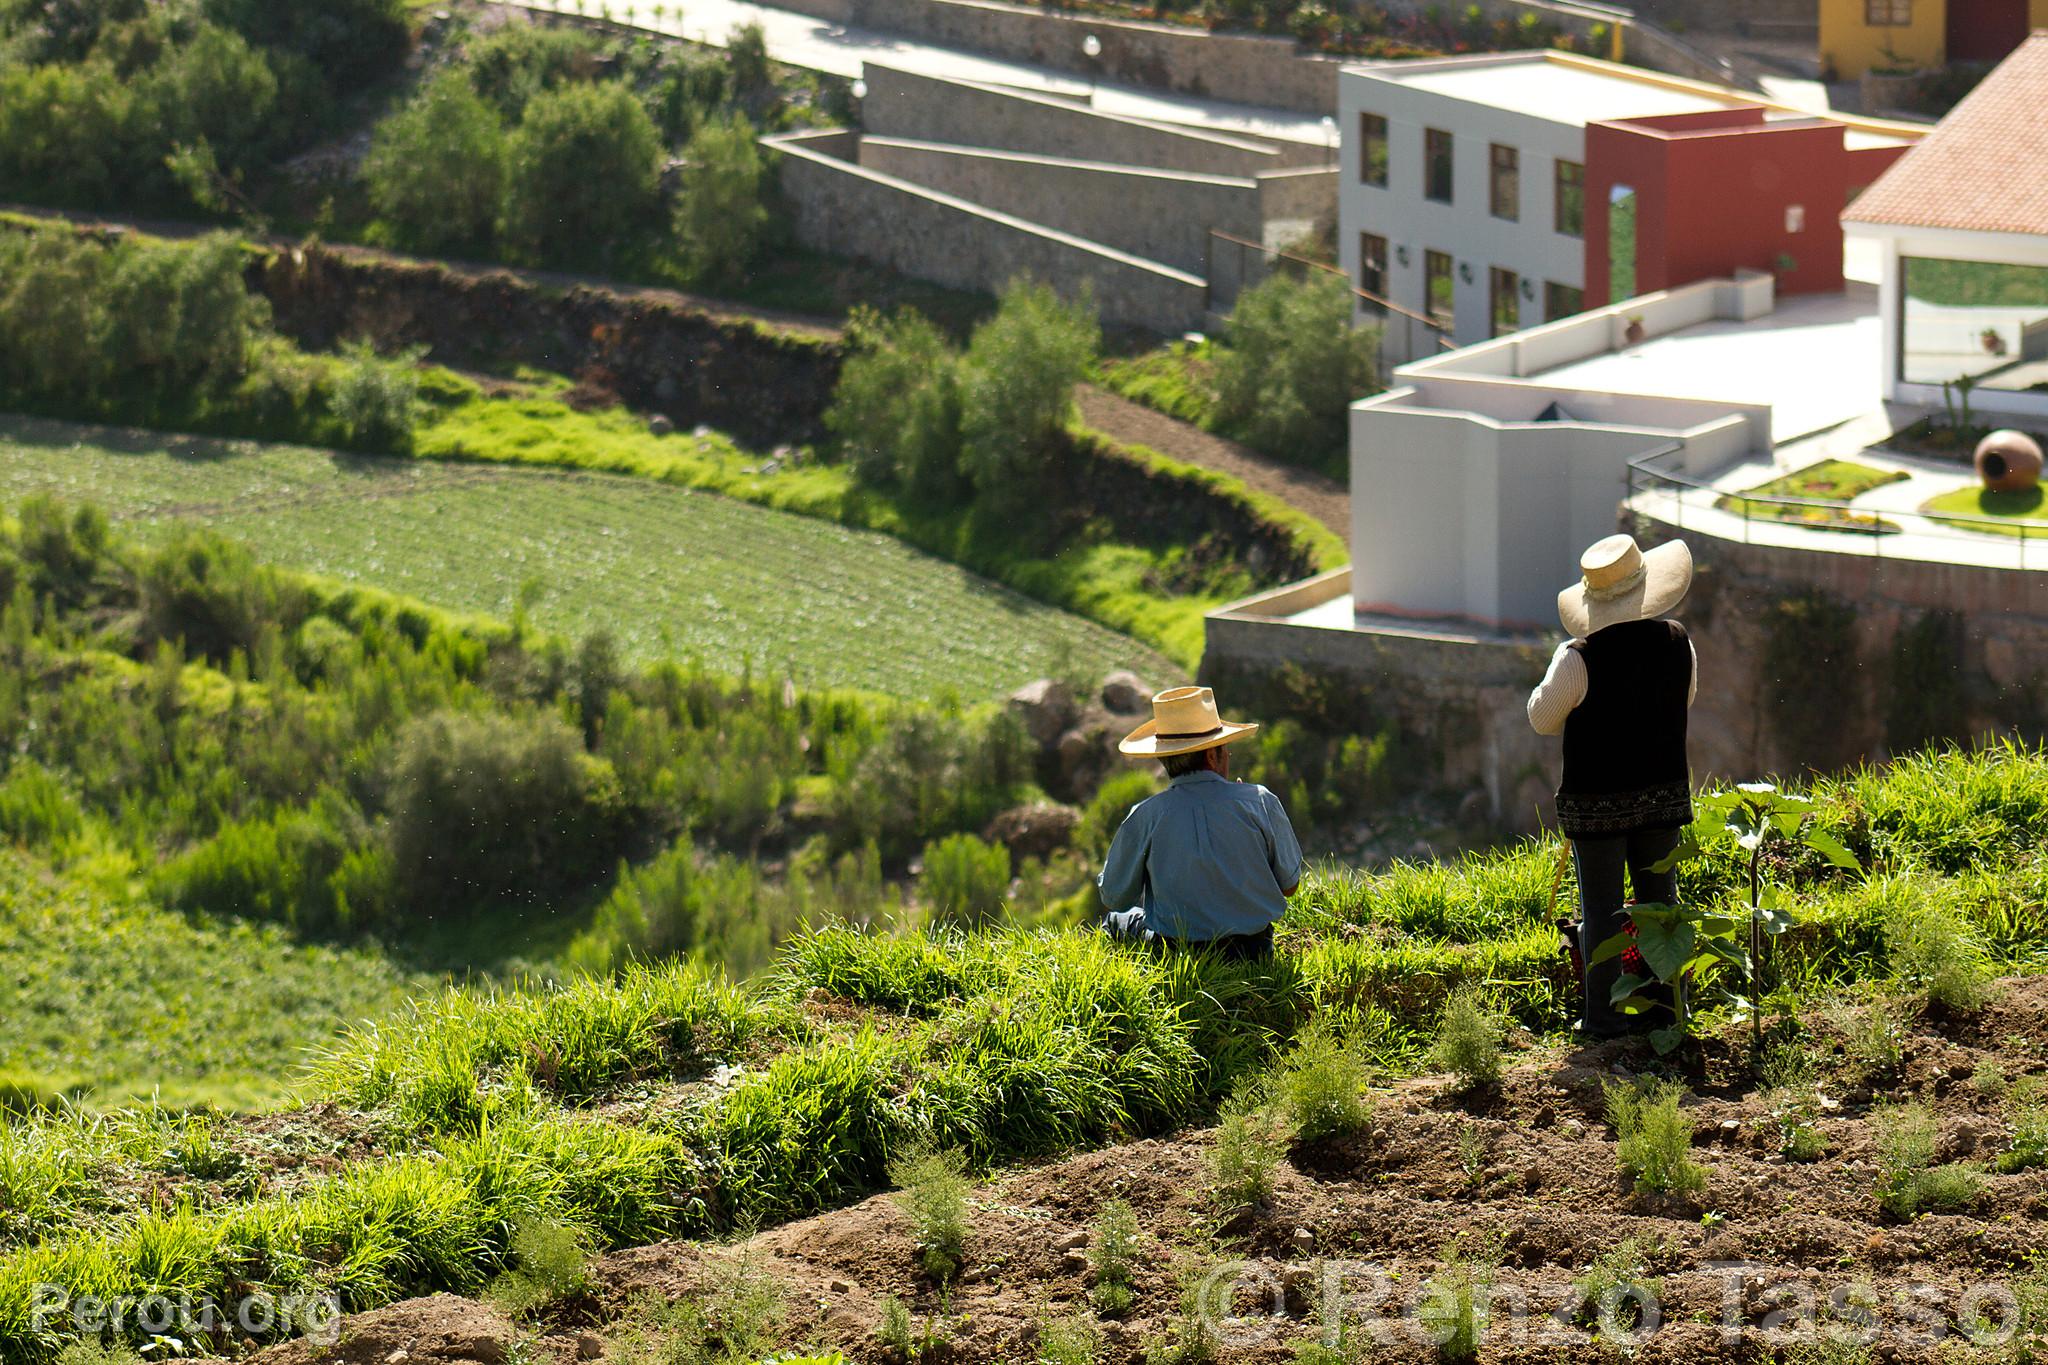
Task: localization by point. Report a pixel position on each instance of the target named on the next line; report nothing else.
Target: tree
(896, 411)
(585, 177)
(345, 43)
(436, 169)
(1294, 366)
(511, 65)
(180, 317)
(216, 87)
(1017, 388)
(62, 132)
(747, 48)
(719, 215)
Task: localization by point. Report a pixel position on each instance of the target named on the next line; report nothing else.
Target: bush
(746, 48)
(1068, 1341)
(1250, 1143)
(1320, 1088)
(2029, 1147)
(348, 43)
(1293, 367)
(549, 1264)
(1933, 949)
(932, 1189)
(1468, 1038)
(896, 411)
(965, 881)
(1616, 1289)
(496, 807)
(1109, 808)
(1017, 390)
(374, 397)
(1112, 1255)
(719, 216)
(1454, 1303)
(36, 809)
(585, 176)
(1653, 1139)
(514, 63)
(436, 169)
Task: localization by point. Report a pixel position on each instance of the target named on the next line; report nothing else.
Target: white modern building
(1961, 227)
(1465, 193)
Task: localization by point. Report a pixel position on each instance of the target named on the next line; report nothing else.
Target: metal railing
(1872, 527)
(1387, 314)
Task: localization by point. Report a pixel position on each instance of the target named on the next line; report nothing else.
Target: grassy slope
(666, 570)
(114, 1000)
(597, 1103)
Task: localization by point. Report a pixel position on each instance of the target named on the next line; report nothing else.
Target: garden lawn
(666, 570)
(1838, 481)
(2013, 514)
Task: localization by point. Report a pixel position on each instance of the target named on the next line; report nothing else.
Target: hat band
(1189, 734)
(1620, 588)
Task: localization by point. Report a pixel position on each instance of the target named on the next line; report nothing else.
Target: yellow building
(1858, 35)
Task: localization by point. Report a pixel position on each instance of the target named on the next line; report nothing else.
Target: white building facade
(1462, 190)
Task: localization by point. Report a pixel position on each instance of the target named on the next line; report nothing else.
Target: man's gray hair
(1180, 765)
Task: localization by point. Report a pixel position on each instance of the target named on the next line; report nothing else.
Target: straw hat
(1619, 582)
(1183, 720)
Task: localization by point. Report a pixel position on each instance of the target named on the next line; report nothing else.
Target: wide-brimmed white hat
(1619, 582)
(1183, 720)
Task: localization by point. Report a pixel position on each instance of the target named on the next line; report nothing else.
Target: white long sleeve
(1564, 687)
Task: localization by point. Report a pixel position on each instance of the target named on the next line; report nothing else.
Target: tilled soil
(1361, 1225)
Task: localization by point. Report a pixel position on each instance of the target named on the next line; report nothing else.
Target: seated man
(1207, 863)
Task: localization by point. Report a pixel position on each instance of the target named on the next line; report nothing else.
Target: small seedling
(1190, 1337)
(1068, 1341)
(1321, 1087)
(932, 1188)
(1250, 1143)
(1468, 1041)
(1472, 1154)
(549, 1263)
(1112, 1254)
(1454, 1304)
(2029, 1146)
(894, 1332)
(1908, 1180)
(1653, 1139)
(1617, 1289)
(1873, 1036)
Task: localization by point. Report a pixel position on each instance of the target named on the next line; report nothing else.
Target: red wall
(1985, 30)
(1712, 191)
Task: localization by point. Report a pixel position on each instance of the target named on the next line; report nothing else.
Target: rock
(1125, 694)
(840, 1286)
(1073, 1241)
(589, 1346)
(659, 425)
(1730, 1128)
(1034, 830)
(1045, 708)
(1545, 1116)
(1075, 1263)
(1303, 1241)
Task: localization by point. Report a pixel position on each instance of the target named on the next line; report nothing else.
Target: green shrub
(1293, 366)
(36, 808)
(1189, 1337)
(734, 1318)
(966, 881)
(585, 172)
(719, 216)
(1468, 1041)
(896, 410)
(1873, 1035)
(932, 1190)
(1108, 808)
(1653, 1139)
(436, 169)
(374, 397)
(746, 49)
(1472, 1154)
(2029, 1146)
(514, 63)
(1320, 1087)
(894, 1331)
(1112, 1255)
(1017, 391)
(1908, 1135)
(549, 1263)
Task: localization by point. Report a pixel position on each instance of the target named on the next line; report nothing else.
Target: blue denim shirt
(1205, 858)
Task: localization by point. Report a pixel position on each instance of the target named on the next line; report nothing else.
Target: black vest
(1624, 745)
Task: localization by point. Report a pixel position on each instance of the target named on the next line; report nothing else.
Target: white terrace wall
(848, 210)
(904, 104)
(1160, 215)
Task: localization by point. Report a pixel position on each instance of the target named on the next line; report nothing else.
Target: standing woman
(1618, 691)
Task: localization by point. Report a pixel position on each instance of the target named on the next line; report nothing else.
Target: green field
(666, 570)
(1830, 481)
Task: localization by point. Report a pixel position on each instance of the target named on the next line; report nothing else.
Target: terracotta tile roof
(1985, 168)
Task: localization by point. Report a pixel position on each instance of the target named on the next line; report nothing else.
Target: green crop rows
(666, 570)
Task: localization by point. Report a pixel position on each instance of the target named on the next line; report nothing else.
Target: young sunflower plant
(1717, 951)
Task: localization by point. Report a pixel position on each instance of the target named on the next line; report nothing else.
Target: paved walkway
(800, 40)
(1306, 491)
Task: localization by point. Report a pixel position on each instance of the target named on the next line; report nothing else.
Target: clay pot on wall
(2009, 462)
